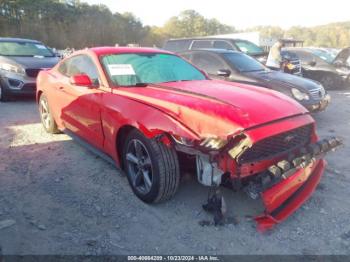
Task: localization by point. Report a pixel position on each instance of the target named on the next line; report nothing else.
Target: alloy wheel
(139, 166)
(45, 113)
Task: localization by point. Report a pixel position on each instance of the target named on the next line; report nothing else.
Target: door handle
(61, 88)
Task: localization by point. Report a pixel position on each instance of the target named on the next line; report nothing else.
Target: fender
(150, 121)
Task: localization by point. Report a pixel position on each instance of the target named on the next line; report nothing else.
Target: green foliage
(71, 23)
(190, 23)
(331, 35)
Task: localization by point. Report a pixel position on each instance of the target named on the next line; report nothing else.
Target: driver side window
(211, 64)
(82, 64)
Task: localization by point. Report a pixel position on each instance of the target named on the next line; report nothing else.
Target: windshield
(244, 63)
(24, 49)
(131, 69)
(326, 56)
(249, 47)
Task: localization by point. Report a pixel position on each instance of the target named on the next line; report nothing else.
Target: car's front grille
(277, 145)
(317, 93)
(32, 72)
(297, 68)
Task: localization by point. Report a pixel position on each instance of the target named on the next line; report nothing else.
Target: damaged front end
(281, 164)
(284, 187)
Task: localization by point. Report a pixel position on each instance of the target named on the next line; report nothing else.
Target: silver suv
(20, 62)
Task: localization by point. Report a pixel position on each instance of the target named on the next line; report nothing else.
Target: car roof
(208, 38)
(21, 40)
(106, 50)
(212, 50)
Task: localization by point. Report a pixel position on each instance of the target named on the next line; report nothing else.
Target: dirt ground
(56, 197)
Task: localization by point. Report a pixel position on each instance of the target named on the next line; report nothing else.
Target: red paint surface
(192, 109)
(277, 195)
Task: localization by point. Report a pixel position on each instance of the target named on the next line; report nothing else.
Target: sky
(240, 13)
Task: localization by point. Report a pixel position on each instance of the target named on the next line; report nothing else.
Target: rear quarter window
(198, 44)
(177, 45)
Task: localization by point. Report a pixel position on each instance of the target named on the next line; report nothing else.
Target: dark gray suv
(20, 62)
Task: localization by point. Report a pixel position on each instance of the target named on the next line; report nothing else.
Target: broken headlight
(209, 143)
(299, 95)
(213, 143)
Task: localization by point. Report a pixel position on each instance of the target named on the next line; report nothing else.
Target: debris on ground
(7, 223)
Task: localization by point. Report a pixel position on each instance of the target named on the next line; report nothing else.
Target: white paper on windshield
(40, 46)
(121, 69)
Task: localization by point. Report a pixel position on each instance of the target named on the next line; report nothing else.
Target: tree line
(71, 23)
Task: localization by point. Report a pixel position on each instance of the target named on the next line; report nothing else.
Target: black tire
(329, 82)
(4, 96)
(46, 117)
(164, 172)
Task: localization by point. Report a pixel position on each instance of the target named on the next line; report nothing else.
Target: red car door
(80, 105)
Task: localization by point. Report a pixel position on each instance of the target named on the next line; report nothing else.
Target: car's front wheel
(152, 168)
(47, 119)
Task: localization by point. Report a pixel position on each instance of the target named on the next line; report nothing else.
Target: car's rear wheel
(47, 119)
(152, 168)
(329, 82)
(4, 97)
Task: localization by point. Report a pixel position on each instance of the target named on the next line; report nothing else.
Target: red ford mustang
(153, 113)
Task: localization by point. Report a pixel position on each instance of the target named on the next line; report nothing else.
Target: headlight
(343, 72)
(12, 68)
(213, 143)
(299, 95)
(209, 143)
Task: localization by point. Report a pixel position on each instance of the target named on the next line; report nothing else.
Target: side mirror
(338, 63)
(311, 63)
(224, 72)
(81, 80)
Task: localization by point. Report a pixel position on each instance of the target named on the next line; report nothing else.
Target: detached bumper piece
(289, 183)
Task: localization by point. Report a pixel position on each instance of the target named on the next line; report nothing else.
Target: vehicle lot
(58, 198)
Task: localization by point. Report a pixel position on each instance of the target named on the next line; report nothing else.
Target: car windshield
(244, 63)
(24, 49)
(326, 56)
(149, 68)
(249, 47)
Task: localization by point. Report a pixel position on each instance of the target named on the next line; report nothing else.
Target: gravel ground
(58, 198)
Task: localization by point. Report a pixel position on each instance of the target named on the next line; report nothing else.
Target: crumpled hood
(34, 62)
(214, 107)
(343, 56)
(275, 79)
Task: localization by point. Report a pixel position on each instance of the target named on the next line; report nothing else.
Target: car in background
(151, 113)
(20, 62)
(238, 67)
(323, 66)
(245, 46)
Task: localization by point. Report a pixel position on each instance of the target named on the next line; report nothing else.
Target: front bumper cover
(294, 192)
(321, 105)
(296, 181)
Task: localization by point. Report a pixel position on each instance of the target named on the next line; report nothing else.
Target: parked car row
(153, 113)
(327, 66)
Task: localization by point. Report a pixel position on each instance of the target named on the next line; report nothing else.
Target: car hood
(214, 107)
(343, 56)
(34, 62)
(277, 80)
